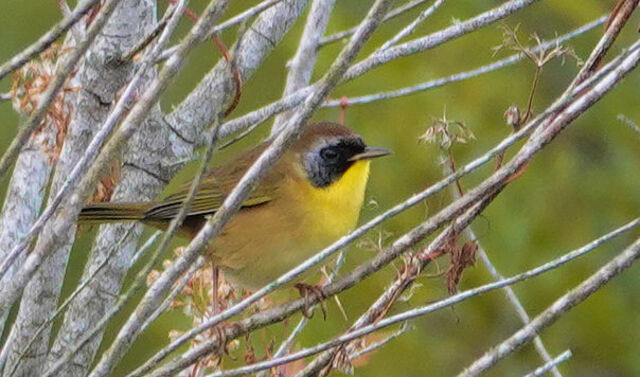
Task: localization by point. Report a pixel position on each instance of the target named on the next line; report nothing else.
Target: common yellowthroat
(310, 198)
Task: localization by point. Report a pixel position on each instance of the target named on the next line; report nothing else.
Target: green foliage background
(583, 185)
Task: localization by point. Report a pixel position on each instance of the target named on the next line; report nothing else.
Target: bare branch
(140, 319)
(490, 185)
(447, 302)
(130, 124)
(301, 66)
(432, 84)
(392, 14)
(510, 294)
(629, 123)
(377, 59)
(412, 26)
(25, 194)
(372, 347)
(101, 295)
(47, 39)
(55, 85)
(191, 116)
(76, 29)
(614, 26)
(552, 364)
(556, 310)
(242, 17)
(81, 286)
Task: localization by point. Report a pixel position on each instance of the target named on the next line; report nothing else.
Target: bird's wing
(213, 190)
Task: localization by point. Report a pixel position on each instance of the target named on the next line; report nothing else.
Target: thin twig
(242, 17)
(94, 148)
(372, 347)
(495, 181)
(634, 127)
(555, 311)
(409, 48)
(146, 246)
(47, 39)
(63, 71)
(509, 292)
(288, 343)
(301, 66)
(432, 84)
(623, 260)
(412, 26)
(614, 26)
(392, 14)
(76, 29)
(67, 301)
(146, 41)
(175, 292)
(551, 365)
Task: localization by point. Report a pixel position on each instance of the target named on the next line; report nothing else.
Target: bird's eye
(329, 154)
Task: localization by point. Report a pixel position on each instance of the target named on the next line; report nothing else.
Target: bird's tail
(113, 212)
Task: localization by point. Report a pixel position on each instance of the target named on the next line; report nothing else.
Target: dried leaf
(461, 258)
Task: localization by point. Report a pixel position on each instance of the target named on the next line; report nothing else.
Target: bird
(310, 198)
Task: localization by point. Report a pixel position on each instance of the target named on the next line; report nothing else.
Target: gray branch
(62, 73)
(100, 83)
(392, 14)
(554, 312)
(551, 365)
(301, 66)
(47, 39)
(420, 311)
(413, 47)
(135, 184)
(24, 196)
(409, 29)
(190, 117)
(556, 123)
(460, 76)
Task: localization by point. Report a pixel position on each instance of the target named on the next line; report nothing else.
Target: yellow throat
(338, 205)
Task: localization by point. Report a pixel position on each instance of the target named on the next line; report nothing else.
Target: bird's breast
(261, 243)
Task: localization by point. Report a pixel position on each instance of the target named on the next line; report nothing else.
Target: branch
(202, 105)
(301, 66)
(614, 26)
(436, 83)
(392, 14)
(81, 286)
(25, 193)
(509, 292)
(497, 180)
(130, 124)
(412, 26)
(242, 17)
(634, 127)
(47, 39)
(545, 319)
(440, 304)
(140, 319)
(35, 119)
(377, 59)
(40, 296)
(135, 184)
(551, 365)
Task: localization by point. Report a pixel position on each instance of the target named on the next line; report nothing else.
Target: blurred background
(581, 186)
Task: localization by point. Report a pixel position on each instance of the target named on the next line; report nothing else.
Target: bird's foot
(306, 290)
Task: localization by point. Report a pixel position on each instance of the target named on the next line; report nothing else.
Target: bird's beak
(369, 153)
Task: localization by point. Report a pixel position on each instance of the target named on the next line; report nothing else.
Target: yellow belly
(261, 243)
